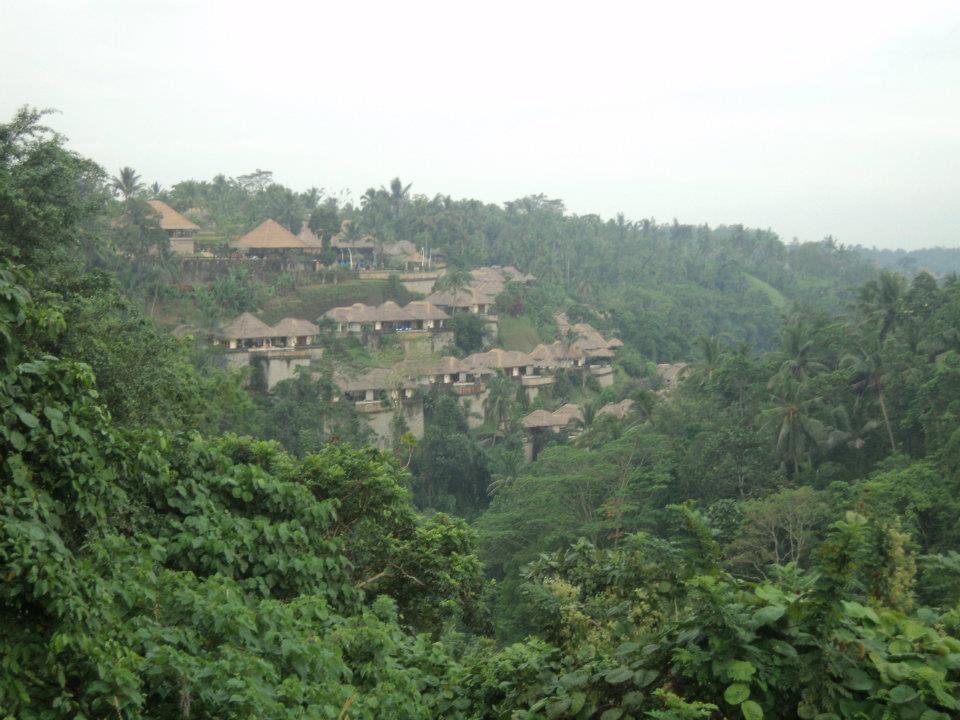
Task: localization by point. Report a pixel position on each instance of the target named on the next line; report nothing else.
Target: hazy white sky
(810, 118)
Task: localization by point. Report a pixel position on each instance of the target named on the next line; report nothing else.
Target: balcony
(462, 388)
(369, 406)
(601, 370)
(537, 380)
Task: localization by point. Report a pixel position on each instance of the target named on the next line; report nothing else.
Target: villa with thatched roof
(297, 333)
(374, 388)
(248, 332)
(537, 423)
(512, 362)
(387, 317)
(307, 237)
(618, 410)
(272, 238)
(357, 253)
(476, 300)
(179, 229)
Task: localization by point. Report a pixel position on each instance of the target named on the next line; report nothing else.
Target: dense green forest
(776, 537)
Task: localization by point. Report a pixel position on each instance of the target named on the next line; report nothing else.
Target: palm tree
(497, 407)
(507, 469)
(850, 431)
(453, 281)
(399, 194)
(711, 350)
(868, 376)
(797, 349)
(881, 300)
(127, 183)
(798, 433)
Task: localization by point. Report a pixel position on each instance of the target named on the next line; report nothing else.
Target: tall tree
(126, 183)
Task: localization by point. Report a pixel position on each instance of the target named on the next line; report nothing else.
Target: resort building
(476, 300)
(248, 332)
(388, 317)
(358, 253)
(179, 229)
(537, 424)
(270, 239)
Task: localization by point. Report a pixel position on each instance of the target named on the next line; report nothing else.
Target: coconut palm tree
(453, 281)
(399, 195)
(798, 433)
(507, 468)
(881, 301)
(498, 405)
(797, 351)
(126, 183)
(869, 376)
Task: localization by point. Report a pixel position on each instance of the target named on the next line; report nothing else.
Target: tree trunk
(886, 421)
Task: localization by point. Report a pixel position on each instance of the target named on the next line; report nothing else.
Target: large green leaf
(618, 675)
(768, 614)
(736, 693)
(751, 710)
(741, 670)
(903, 694)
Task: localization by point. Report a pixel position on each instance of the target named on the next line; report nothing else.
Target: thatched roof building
(559, 418)
(271, 235)
(246, 326)
(170, 219)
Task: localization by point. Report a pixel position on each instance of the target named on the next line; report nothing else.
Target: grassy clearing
(776, 297)
(517, 333)
(311, 301)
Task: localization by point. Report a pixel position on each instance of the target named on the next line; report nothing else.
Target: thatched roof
(544, 355)
(271, 235)
(449, 365)
(501, 275)
(558, 418)
(399, 248)
(619, 410)
(307, 237)
(364, 243)
(358, 312)
(671, 373)
(423, 310)
(599, 352)
(373, 379)
(294, 327)
(246, 326)
(498, 359)
(170, 219)
(462, 298)
(540, 419)
(569, 412)
(389, 311)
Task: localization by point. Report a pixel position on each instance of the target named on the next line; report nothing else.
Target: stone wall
(424, 287)
(272, 367)
(381, 422)
(473, 406)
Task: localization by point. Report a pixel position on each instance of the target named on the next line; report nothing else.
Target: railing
(537, 380)
(462, 388)
(369, 406)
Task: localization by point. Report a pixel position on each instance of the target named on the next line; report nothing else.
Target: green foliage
(449, 466)
(468, 332)
(150, 574)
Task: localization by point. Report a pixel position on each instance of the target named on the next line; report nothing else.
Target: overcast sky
(809, 118)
